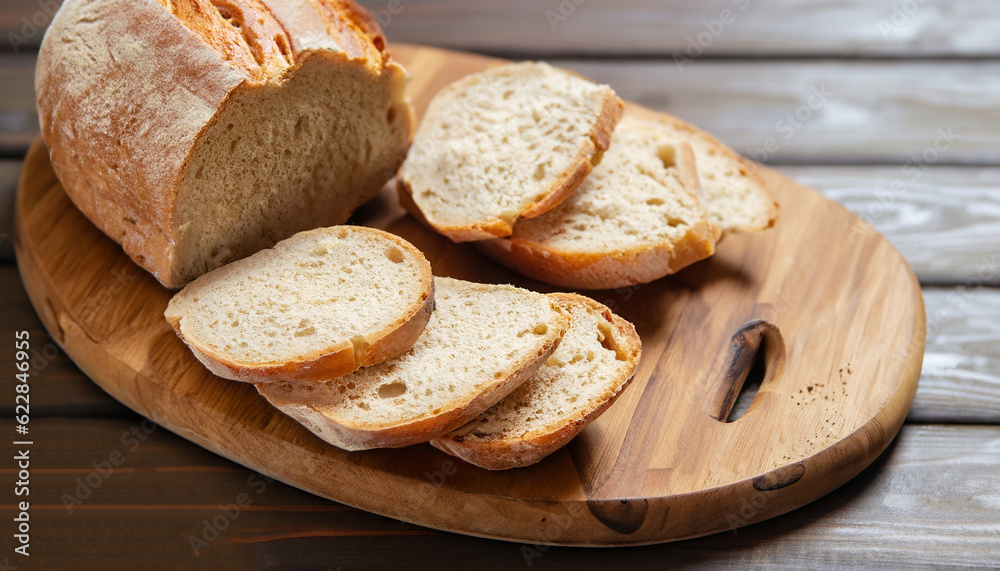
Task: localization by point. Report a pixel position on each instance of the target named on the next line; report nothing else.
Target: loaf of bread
(317, 306)
(197, 132)
(481, 343)
(592, 365)
(508, 143)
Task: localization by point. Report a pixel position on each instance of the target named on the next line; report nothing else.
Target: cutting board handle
(759, 339)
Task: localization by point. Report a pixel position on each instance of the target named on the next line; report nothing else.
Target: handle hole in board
(756, 355)
(748, 392)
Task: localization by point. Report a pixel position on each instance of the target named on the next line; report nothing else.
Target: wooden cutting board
(822, 302)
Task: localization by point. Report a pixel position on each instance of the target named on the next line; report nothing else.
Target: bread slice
(504, 144)
(636, 218)
(592, 366)
(197, 132)
(318, 305)
(481, 343)
(732, 193)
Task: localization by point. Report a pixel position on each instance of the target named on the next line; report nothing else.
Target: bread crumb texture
(494, 143)
(636, 197)
(275, 162)
(477, 336)
(733, 195)
(593, 360)
(310, 292)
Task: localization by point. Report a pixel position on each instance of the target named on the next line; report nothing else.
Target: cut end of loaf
(274, 163)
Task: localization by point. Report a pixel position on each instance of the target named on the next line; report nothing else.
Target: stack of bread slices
(550, 175)
(346, 330)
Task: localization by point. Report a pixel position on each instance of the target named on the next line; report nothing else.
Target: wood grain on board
(798, 111)
(929, 500)
(60, 389)
(649, 27)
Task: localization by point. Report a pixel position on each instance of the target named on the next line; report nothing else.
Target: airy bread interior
(591, 365)
(481, 342)
(733, 196)
(636, 197)
(287, 155)
(496, 145)
(311, 293)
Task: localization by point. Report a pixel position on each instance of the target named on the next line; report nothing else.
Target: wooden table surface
(891, 108)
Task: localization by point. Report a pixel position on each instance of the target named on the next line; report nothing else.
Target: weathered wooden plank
(776, 111)
(944, 220)
(153, 491)
(960, 381)
(749, 28)
(931, 499)
(10, 171)
(607, 27)
(824, 111)
(18, 119)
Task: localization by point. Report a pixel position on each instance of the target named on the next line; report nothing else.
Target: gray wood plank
(775, 111)
(847, 111)
(606, 27)
(10, 171)
(960, 381)
(18, 119)
(931, 499)
(944, 220)
(749, 28)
